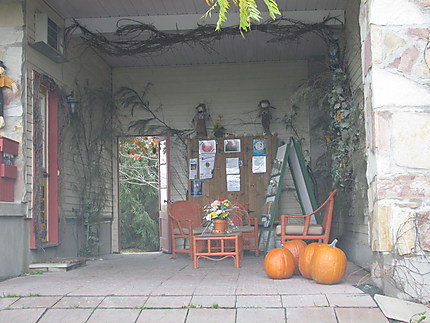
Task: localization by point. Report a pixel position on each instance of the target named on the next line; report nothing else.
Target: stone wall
(13, 225)
(396, 60)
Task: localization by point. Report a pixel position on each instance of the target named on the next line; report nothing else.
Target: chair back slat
(186, 210)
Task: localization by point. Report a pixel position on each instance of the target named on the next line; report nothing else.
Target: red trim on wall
(53, 167)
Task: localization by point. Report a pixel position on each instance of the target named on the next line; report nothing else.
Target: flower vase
(220, 226)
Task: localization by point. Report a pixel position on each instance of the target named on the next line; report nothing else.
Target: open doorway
(139, 187)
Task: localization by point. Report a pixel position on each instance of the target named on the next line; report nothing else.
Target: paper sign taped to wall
(232, 166)
(233, 183)
(207, 164)
(258, 164)
(193, 168)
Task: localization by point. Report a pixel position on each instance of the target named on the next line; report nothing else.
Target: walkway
(155, 288)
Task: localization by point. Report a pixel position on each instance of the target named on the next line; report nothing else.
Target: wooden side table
(216, 247)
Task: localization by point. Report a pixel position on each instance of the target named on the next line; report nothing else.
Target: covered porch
(152, 287)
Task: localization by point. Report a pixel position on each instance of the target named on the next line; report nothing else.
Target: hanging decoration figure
(199, 121)
(5, 81)
(265, 114)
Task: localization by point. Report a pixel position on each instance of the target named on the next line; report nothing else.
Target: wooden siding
(232, 90)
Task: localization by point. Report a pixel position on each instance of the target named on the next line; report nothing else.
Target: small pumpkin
(328, 264)
(296, 247)
(279, 263)
(306, 258)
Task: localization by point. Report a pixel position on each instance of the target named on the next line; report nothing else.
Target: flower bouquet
(218, 214)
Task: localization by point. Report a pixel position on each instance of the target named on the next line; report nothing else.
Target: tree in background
(138, 173)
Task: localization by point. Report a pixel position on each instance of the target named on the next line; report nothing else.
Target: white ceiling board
(187, 22)
(167, 15)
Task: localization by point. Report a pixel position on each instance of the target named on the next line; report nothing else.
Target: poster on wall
(207, 146)
(258, 164)
(193, 168)
(207, 164)
(232, 145)
(259, 147)
(233, 183)
(196, 187)
(232, 166)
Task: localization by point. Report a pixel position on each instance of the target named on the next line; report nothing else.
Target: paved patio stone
(60, 315)
(21, 315)
(258, 301)
(79, 302)
(258, 315)
(167, 301)
(162, 289)
(123, 302)
(210, 301)
(360, 315)
(351, 300)
(34, 302)
(304, 300)
(114, 315)
(162, 315)
(312, 315)
(7, 302)
(208, 315)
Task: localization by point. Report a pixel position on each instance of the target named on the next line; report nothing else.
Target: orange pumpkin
(306, 258)
(279, 263)
(296, 247)
(328, 264)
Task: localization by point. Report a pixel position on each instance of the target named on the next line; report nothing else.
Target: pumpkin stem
(333, 243)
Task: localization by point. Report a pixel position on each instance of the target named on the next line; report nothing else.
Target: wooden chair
(185, 221)
(308, 231)
(247, 225)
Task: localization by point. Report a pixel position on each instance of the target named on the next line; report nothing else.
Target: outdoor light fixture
(72, 101)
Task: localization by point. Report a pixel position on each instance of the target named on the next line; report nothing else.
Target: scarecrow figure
(265, 114)
(199, 120)
(5, 81)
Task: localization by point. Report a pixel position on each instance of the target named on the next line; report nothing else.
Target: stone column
(396, 74)
(11, 53)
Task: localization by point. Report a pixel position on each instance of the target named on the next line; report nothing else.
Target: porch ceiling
(103, 15)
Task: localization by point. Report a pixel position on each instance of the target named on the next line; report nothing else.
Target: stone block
(404, 186)
(405, 235)
(11, 14)
(367, 54)
(390, 89)
(422, 33)
(423, 224)
(411, 134)
(408, 59)
(392, 42)
(382, 130)
(392, 12)
(381, 239)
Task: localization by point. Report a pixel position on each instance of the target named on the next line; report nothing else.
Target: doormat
(58, 264)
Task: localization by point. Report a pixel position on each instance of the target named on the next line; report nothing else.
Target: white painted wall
(83, 69)
(233, 90)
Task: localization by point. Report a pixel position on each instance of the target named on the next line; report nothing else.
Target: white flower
(218, 212)
(208, 217)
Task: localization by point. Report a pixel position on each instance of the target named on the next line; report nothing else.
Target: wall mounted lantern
(73, 103)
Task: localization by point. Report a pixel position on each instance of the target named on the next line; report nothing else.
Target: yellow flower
(220, 116)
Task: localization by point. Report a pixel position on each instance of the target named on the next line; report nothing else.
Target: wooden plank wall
(252, 186)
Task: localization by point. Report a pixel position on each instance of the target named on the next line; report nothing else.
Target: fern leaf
(273, 8)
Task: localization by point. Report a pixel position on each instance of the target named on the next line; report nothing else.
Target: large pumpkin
(296, 247)
(306, 258)
(279, 263)
(328, 264)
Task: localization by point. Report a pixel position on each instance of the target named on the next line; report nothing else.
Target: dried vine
(134, 37)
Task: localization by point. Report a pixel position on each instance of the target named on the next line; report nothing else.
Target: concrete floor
(153, 287)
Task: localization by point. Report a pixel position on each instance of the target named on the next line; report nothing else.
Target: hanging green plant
(248, 11)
